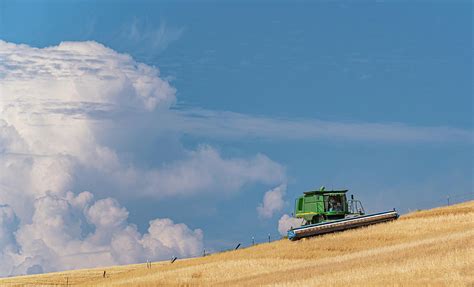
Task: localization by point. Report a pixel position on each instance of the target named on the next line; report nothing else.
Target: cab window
(300, 204)
(334, 203)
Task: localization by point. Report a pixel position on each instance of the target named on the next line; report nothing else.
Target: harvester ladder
(355, 207)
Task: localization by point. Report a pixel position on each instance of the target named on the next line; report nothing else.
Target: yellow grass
(425, 248)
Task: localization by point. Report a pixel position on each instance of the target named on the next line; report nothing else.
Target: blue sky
(394, 63)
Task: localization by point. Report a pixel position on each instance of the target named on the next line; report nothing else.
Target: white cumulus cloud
(287, 222)
(70, 116)
(76, 231)
(272, 202)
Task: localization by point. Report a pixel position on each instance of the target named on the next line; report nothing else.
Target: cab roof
(323, 190)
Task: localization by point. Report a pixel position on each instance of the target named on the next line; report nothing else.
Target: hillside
(433, 247)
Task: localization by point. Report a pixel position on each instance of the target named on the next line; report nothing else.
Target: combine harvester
(325, 211)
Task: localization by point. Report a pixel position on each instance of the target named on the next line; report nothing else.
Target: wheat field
(424, 248)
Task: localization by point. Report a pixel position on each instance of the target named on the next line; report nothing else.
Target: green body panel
(320, 205)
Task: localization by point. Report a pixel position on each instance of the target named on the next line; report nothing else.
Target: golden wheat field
(424, 248)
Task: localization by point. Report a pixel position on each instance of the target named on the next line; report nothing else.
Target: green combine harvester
(324, 211)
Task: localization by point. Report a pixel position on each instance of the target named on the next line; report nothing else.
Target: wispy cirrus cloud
(150, 39)
(119, 87)
(231, 125)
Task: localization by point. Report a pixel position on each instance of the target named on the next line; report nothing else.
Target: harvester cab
(326, 211)
(323, 205)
